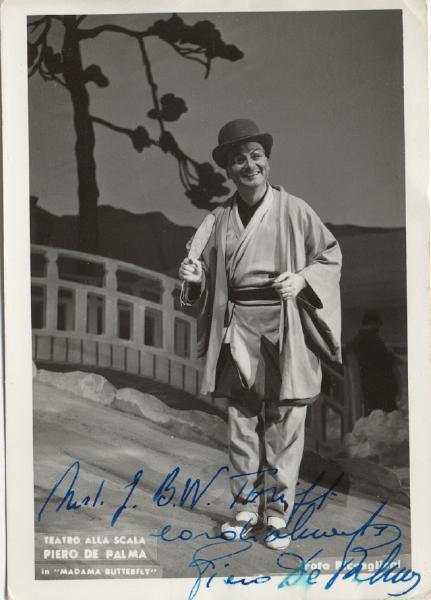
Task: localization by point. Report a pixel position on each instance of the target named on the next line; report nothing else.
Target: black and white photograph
(217, 279)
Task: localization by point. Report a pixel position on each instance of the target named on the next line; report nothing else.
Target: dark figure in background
(376, 366)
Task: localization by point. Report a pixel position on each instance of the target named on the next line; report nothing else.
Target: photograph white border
(18, 356)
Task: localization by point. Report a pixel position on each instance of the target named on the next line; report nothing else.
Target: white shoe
(239, 527)
(276, 537)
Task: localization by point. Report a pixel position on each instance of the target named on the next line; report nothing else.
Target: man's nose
(249, 162)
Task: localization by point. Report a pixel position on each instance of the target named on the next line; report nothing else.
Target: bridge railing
(329, 418)
(93, 310)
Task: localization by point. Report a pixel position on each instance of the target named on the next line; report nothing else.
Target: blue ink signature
(68, 500)
(167, 491)
(245, 497)
(371, 535)
(206, 558)
(123, 505)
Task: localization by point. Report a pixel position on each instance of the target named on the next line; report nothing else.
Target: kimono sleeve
(323, 257)
(320, 300)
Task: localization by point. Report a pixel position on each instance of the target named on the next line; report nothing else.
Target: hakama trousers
(266, 444)
(266, 437)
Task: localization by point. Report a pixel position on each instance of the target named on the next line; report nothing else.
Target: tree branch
(139, 35)
(193, 162)
(58, 18)
(182, 174)
(42, 42)
(151, 82)
(191, 50)
(186, 53)
(185, 174)
(110, 28)
(42, 36)
(118, 128)
(36, 65)
(188, 169)
(35, 24)
(110, 125)
(48, 76)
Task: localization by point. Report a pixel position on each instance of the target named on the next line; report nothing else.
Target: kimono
(284, 234)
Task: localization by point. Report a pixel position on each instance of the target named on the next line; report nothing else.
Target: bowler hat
(236, 132)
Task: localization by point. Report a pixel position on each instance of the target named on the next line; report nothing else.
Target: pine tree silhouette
(200, 42)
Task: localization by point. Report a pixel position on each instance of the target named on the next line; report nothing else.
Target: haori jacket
(310, 324)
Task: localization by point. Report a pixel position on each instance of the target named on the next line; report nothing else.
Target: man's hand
(288, 285)
(190, 270)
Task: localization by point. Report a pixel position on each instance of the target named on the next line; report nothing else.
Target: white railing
(88, 331)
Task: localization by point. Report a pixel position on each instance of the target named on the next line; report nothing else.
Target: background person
(376, 365)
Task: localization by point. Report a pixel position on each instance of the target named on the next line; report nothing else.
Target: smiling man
(266, 294)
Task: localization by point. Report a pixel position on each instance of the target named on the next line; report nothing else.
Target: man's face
(248, 165)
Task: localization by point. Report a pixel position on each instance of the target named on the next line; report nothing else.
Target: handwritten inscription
(358, 544)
